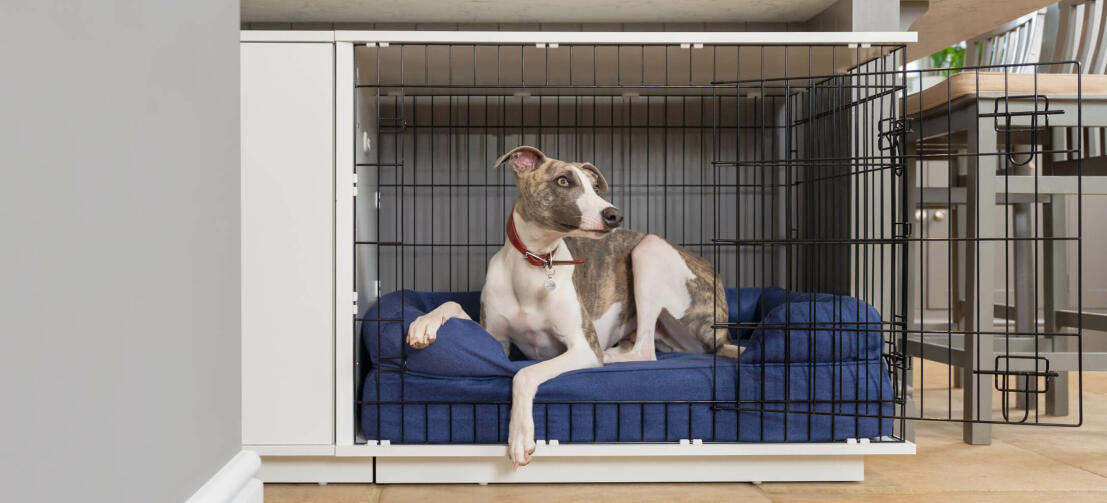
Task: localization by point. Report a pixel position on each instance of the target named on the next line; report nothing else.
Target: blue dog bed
(815, 383)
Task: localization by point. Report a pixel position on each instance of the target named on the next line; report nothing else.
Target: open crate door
(995, 181)
(957, 212)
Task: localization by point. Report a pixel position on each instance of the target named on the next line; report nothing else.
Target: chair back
(1015, 43)
(1080, 35)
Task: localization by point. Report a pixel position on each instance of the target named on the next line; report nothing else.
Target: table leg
(979, 298)
(1056, 280)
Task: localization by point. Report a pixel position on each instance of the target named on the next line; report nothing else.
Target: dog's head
(561, 196)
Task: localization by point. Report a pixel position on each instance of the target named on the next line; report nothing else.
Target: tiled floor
(1022, 464)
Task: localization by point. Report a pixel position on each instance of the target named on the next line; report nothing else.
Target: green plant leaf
(950, 57)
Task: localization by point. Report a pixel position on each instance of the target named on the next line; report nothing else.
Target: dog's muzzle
(612, 217)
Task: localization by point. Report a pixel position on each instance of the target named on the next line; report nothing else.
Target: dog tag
(550, 284)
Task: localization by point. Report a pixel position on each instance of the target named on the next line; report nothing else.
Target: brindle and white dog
(572, 288)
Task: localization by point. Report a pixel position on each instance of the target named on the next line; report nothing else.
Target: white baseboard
(234, 483)
(252, 492)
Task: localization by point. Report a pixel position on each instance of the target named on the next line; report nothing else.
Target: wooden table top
(989, 83)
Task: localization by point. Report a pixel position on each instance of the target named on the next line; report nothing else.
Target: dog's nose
(612, 217)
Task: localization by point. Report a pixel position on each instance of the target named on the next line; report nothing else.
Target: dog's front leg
(520, 441)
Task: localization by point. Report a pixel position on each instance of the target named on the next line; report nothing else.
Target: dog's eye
(562, 181)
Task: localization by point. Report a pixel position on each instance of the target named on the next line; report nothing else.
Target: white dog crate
(368, 175)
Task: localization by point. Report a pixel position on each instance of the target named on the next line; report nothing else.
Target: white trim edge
(343, 169)
(583, 37)
(291, 450)
(627, 37)
(285, 36)
(233, 483)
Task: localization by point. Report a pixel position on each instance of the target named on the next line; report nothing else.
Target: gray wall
(655, 152)
(119, 215)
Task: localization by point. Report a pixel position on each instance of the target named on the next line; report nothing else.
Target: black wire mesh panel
(790, 168)
(997, 193)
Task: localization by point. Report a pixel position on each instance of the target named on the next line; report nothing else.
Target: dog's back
(607, 278)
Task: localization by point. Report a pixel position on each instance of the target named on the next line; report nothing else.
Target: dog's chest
(537, 320)
(533, 332)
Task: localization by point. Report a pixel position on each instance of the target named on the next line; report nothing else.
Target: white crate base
(425, 470)
(684, 462)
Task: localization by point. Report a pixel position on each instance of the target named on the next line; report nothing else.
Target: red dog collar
(535, 259)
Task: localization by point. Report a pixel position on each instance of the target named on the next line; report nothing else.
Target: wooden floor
(1023, 464)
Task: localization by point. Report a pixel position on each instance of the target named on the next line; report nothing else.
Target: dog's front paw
(520, 443)
(519, 450)
(424, 330)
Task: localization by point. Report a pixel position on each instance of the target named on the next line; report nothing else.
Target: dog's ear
(522, 159)
(601, 182)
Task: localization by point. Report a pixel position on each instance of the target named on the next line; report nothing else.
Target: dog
(573, 288)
